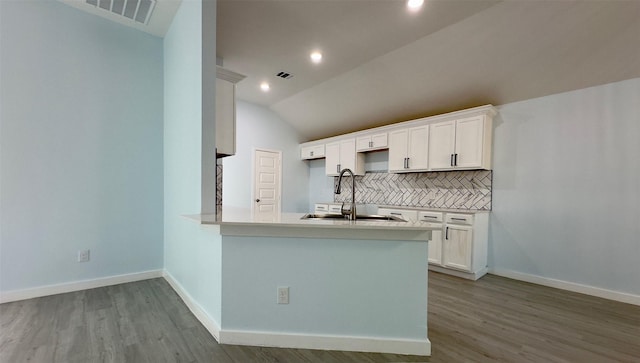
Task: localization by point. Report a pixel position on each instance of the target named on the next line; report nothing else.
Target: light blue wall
(192, 252)
(81, 146)
(259, 127)
(320, 185)
(566, 187)
(336, 286)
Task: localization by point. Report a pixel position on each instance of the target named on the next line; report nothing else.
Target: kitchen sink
(365, 217)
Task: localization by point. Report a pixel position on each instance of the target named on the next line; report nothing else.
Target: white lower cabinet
(328, 208)
(435, 220)
(435, 244)
(406, 214)
(459, 245)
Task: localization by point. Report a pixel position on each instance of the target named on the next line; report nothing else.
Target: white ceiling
(383, 64)
(158, 24)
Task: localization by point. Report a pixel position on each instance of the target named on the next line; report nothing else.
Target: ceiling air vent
(284, 75)
(136, 10)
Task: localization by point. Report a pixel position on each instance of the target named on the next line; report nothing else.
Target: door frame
(253, 177)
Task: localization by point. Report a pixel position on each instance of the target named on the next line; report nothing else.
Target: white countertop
(444, 210)
(244, 217)
(240, 222)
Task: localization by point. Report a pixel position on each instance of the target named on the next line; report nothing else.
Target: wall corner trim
(209, 323)
(569, 286)
(40, 291)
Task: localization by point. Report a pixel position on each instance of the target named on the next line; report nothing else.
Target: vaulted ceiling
(384, 64)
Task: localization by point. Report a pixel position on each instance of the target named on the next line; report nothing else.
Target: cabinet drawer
(455, 218)
(409, 215)
(335, 208)
(426, 216)
(321, 208)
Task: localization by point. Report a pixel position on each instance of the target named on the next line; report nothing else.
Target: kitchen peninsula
(350, 285)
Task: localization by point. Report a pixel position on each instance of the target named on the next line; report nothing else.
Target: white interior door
(267, 184)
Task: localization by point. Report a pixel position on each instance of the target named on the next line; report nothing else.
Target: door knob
(257, 200)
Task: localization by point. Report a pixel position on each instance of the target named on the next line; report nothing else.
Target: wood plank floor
(490, 320)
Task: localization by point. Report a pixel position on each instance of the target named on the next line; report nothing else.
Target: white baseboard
(569, 286)
(326, 342)
(210, 324)
(465, 275)
(15, 295)
(303, 341)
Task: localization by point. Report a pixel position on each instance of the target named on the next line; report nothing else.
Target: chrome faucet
(351, 213)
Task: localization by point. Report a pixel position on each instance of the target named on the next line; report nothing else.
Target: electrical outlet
(283, 295)
(83, 255)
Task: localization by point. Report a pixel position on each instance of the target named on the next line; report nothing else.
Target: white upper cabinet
(442, 145)
(458, 140)
(371, 142)
(470, 143)
(408, 149)
(460, 144)
(226, 111)
(312, 152)
(342, 154)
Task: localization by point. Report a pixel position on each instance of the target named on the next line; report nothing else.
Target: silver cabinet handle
(458, 219)
(455, 159)
(432, 217)
(446, 233)
(451, 160)
(395, 213)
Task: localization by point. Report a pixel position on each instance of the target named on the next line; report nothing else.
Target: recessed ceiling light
(264, 86)
(316, 57)
(414, 5)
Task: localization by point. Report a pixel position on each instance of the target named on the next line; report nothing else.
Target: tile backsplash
(219, 189)
(469, 189)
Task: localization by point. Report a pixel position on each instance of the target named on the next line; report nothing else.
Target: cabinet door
(379, 141)
(457, 247)
(372, 142)
(435, 245)
(312, 152)
(225, 117)
(363, 143)
(332, 158)
(469, 142)
(442, 138)
(397, 149)
(348, 155)
(418, 151)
